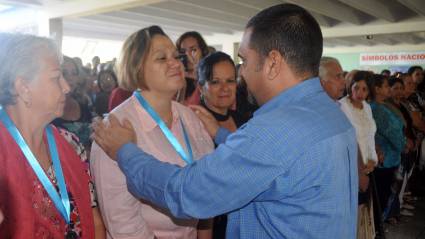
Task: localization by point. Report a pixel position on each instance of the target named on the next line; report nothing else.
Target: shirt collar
(295, 93)
(148, 123)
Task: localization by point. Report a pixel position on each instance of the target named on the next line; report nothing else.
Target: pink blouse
(126, 216)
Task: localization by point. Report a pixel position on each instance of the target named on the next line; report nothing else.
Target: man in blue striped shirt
(290, 172)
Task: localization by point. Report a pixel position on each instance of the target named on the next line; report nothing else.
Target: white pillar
(52, 28)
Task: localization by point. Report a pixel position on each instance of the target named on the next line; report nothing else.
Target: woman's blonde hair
(133, 54)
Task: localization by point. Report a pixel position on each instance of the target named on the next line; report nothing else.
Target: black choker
(217, 116)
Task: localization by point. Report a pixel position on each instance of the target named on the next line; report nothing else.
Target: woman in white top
(359, 113)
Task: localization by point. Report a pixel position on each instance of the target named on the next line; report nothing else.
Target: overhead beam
(385, 39)
(177, 16)
(334, 10)
(182, 8)
(410, 39)
(378, 48)
(374, 8)
(417, 6)
(80, 8)
(342, 42)
(260, 5)
(223, 7)
(167, 21)
(133, 22)
(359, 40)
(30, 3)
(381, 28)
(324, 21)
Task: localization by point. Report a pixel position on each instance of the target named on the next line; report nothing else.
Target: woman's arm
(387, 127)
(417, 120)
(99, 228)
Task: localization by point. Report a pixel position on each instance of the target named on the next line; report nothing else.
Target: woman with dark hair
(150, 66)
(359, 113)
(416, 72)
(192, 47)
(389, 137)
(107, 82)
(408, 156)
(44, 186)
(77, 114)
(217, 80)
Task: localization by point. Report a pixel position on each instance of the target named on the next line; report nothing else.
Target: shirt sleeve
(121, 211)
(230, 177)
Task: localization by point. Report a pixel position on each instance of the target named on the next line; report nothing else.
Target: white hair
(20, 57)
(324, 61)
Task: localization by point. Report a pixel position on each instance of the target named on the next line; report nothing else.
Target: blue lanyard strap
(188, 158)
(61, 202)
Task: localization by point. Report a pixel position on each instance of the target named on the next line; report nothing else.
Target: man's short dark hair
(292, 31)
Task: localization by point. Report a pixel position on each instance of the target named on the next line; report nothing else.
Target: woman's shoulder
(184, 111)
(188, 117)
(366, 106)
(343, 100)
(345, 103)
(125, 109)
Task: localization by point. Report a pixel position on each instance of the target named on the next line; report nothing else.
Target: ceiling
(344, 22)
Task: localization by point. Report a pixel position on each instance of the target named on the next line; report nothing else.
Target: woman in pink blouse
(150, 63)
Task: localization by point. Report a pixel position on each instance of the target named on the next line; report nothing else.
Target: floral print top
(73, 230)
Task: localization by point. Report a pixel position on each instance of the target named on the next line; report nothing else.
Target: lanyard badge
(187, 157)
(61, 202)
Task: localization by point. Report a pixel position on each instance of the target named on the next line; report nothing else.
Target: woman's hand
(369, 167)
(111, 135)
(380, 155)
(210, 123)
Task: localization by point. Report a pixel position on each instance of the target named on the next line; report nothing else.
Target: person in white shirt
(359, 113)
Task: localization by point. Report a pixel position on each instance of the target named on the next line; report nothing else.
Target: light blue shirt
(290, 172)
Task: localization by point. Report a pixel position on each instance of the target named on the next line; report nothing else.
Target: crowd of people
(387, 112)
(178, 141)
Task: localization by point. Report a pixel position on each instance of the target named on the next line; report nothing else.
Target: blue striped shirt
(290, 172)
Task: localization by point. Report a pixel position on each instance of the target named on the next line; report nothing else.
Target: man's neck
(280, 87)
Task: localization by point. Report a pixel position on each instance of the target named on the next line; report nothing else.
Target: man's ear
(273, 64)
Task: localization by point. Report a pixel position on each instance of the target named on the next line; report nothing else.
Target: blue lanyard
(188, 158)
(61, 202)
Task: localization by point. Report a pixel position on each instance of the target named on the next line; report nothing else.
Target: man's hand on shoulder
(111, 135)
